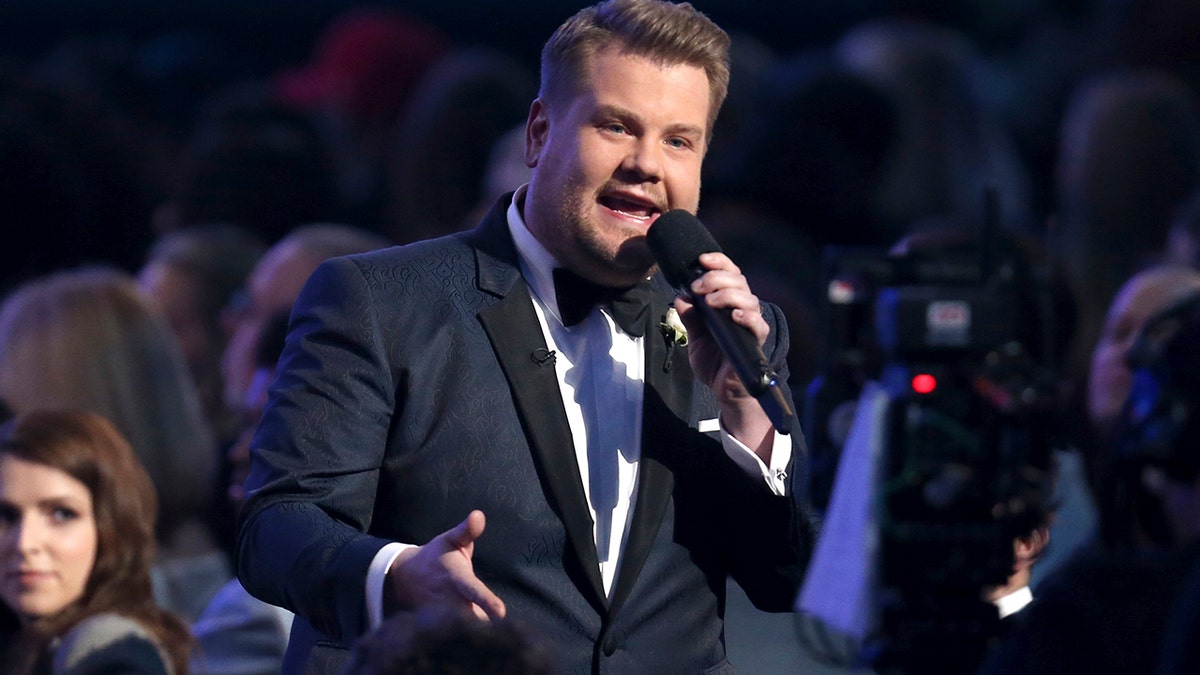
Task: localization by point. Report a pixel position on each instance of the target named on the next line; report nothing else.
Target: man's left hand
(724, 287)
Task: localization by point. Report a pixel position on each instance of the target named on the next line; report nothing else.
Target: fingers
(484, 603)
(442, 573)
(465, 533)
(719, 261)
(724, 286)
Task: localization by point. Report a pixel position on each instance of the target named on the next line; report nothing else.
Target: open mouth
(633, 208)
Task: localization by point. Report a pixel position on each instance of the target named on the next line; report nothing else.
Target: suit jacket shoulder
(110, 643)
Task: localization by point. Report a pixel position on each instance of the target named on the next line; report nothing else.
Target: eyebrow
(51, 501)
(63, 500)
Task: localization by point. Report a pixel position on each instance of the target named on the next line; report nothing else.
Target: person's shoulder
(234, 609)
(109, 643)
(101, 628)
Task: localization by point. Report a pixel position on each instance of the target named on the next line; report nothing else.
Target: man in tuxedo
(447, 427)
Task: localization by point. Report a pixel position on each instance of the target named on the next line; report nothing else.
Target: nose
(644, 161)
(30, 536)
(19, 536)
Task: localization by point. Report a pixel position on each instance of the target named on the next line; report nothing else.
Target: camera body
(962, 343)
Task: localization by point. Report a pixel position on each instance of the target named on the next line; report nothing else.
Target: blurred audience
(505, 170)
(1183, 237)
(272, 286)
(1106, 610)
(1098, 405)
(77, 514)
(364, 68)
(1035, 55)
(1129, 155)
(1159, 34)
(448, 643)
(435, 167)
(809, 155)
(89, 338)
(270, 289)
(950, 145)
(238, 634)
(253, 162)
(193, 274)
(750, 60)
(152, 85)
(1016, 592)
(1109, 376)
(268, 346)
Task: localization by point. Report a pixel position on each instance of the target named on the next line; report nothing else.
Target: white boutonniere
(673, 329)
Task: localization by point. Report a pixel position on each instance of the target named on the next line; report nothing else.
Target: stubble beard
(592, 252)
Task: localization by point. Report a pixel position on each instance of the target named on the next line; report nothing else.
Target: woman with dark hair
(88, 338)
(77, 512)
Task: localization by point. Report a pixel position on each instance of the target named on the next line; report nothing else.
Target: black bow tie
(577, 297)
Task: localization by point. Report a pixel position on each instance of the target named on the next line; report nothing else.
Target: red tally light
(924, 383)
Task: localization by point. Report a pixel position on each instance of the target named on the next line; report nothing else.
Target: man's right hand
(440, 574)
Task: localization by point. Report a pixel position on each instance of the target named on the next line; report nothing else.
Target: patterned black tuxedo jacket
(409, 393)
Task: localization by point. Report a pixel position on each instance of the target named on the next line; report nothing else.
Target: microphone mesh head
(677, 238)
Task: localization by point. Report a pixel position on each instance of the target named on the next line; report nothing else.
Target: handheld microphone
(677, 239)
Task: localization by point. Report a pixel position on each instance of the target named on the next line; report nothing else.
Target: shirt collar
(537, 264)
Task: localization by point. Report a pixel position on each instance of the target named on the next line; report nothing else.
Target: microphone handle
(735, 340)
(755, 371)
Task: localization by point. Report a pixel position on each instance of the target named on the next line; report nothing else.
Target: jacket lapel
(512, 327)
(666, 406)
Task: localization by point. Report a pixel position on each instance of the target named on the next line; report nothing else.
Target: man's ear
(537, 128)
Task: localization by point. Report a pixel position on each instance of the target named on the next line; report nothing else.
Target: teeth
(633, 215)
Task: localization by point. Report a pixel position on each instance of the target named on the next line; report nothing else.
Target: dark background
(277, 32)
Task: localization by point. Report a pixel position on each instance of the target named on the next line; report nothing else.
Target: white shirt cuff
(376, 576)
(775, 475)
(1014, 602)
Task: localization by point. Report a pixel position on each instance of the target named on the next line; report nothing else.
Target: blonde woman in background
(88, 338)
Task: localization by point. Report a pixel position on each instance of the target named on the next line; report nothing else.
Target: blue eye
(62, 514)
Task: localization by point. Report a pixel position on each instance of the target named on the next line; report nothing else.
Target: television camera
(965, 339)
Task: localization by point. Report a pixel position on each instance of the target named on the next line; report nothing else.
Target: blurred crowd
(165, 205)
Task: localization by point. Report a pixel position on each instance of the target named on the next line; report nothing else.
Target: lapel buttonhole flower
(673, 329)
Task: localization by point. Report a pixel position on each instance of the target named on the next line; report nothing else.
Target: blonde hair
(665, 32)
(88, 339)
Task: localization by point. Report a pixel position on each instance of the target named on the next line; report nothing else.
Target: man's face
(1143, 296)
(273, 286)
(176, 293)
(609, 160)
